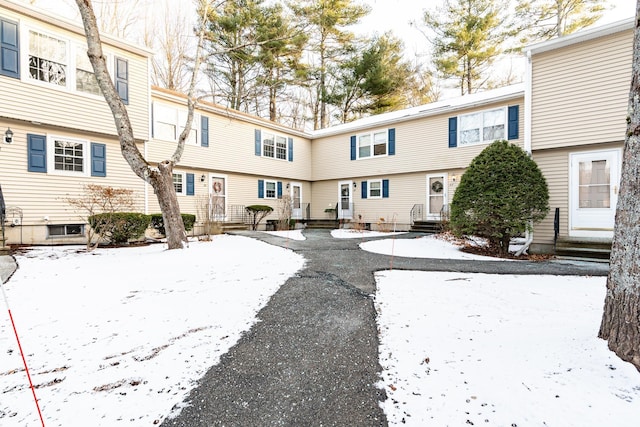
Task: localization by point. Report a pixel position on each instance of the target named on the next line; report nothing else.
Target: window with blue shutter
(258, 142)
(122, 79)
(392, 142)
(9, 49)
(385, 188)
(191, 188)
(290, 142)
(204, 131)
(363, 189)
(261, 189)
(512, 120)
(98, 159)
(36, 153)
(279, 190)
(353, 147)
(453, 132)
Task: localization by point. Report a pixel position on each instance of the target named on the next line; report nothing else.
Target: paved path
(312, 359)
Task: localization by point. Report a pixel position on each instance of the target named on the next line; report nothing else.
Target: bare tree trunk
(160, 178)
(621, 318)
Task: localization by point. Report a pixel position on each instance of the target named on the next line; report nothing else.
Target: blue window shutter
(353, 147)
(9, 49)
(513, 116)
(258, 140)
(191, 188)
(363, 189)
(122, 79)
(261, 189)
(385, 188)
(453, 132)
(290, 149)
(204, 131)
(392, 142)
(37, 153)
(279, 189)
(98, 159)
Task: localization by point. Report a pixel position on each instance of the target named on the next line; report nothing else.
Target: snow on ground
(350, 233)
(120, 336)
(288, 234)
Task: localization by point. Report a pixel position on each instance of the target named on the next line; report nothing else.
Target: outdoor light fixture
(355, 185)
(8, 136)
(288, 185)
(202, 178)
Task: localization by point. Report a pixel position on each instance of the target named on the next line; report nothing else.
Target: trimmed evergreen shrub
(500, 195)
(119, 227)
(257, 213)
(157, 222)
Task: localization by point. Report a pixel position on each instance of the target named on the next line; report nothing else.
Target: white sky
(124, 334)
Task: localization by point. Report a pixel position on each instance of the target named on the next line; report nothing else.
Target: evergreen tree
(468, 37)
(500, 195)
(544, 19)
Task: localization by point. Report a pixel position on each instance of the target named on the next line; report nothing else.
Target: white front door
(345, 200)
(594, 182)
(296, 200)
(437, 202)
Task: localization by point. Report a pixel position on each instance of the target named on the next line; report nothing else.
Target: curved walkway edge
(312, 357)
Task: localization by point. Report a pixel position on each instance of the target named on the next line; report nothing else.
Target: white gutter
(527, 136)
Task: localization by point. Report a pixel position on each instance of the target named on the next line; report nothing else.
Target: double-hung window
(168, 123)
(270, 190)
(375, 189)
(69, 155)
(482, 127)
(268, 144)
(48, 59)
(372, 144)
(179, 182)
(281, 147)
(85, 77)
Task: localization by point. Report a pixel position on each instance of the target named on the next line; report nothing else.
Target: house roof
(581, 36)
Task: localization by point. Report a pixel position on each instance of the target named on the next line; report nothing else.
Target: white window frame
(66, 234)
(275, 189)
(481, 126)
(368, 141)
(51, 154)
(183, 178)
(81, 51)
(175, 117)
(27, 53)
(279, 144)
(370, 194)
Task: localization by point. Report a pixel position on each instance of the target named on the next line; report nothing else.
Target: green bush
(257, 213)
(157, 222)
(119, 227)
(500, 195)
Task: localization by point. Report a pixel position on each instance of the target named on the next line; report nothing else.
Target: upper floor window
(168, 123)
(47, 58)
(482, 127)
(372, 144)
(274, 146)
(85, 77)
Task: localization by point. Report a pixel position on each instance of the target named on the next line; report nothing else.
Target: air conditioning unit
(16, 221)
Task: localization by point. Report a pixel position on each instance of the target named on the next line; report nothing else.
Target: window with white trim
(85, 77)
(168, 123)
(270, 189)
(48, 58)
(482, 127)
(274, 146)
(70, 156)
(375, 189)
(373, 144)
(179, 183)
(71, 230)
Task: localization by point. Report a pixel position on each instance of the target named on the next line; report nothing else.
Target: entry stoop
(429, 227)
(597, 250)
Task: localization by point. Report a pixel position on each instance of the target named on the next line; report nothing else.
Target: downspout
(527, 138)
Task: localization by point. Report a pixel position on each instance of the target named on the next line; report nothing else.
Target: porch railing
(417, 213)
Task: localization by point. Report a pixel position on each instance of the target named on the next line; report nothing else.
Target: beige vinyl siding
(580, 92)
(421, 145)
(64, 106)
(41, 195)
(232, 150)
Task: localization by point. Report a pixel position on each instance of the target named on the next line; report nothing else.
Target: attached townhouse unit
(392, 171)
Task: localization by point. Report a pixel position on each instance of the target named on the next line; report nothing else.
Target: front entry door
(595, 177)
(436, 196)
(217, 198)
(296, 200)
(345, 200)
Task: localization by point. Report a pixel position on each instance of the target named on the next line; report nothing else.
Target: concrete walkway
(312, 359)
(7, 267)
